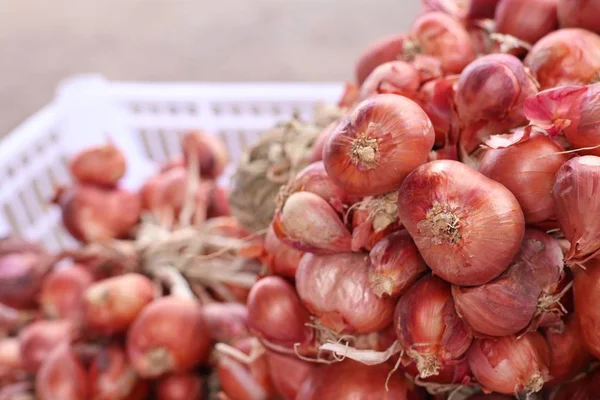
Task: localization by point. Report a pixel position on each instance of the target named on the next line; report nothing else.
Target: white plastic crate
(146, 121)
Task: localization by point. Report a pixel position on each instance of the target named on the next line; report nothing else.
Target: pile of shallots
(446, 242)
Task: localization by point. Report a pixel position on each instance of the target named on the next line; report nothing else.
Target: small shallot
(377, 53)
(62, 376)
(437, 100)
(579, 14)
(21, 278)
(102, 165)
(62, 292)
(281, 258)
(226, 321)
(587, 295)
(528, 20)
(37, 340)
(183, 386)
(288, 373)
(210, 151)
(111, 377)
(393, 77)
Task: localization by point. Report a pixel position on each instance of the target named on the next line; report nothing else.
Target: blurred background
(43, 42)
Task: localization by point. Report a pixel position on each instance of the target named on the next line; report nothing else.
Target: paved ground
(43, 41)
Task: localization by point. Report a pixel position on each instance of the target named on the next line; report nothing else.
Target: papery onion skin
(102, 165)
(373, 149)
(226, 321)
(183, 386)
(169, 335)
(377, 53)
(62, 376)
(210, 150)
(565, 57)
(467, 227)
(62, 292)
(526, 20)
(576, 190)
(113, 304)
(440, 35)
(288, 373)
(586, 291)
(437, 100)
(393, 77)
(38, 339)
(489, 98)
(567, 353)
(111, 377)
(335, 288)
(579, 14)
(276, 315)
(352, 380)
(528, 169)
(21, 278)
(282, 260)
(395, 265)
(428, 327)
(509, 364)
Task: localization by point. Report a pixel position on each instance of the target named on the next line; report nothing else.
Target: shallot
(394, 77)
(288, 373)
(528, 20)
(579, 14)
(377, 53)
(226, 321)
(586, 291)
(62, 376)
(437, 100)
(11, 361)
(281, 259)
(21, 278)
(183, 386)
(38, 339)
(62, 292)
(101, 165)
(210, 152)
(111, 377)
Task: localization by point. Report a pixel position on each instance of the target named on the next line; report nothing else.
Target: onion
(40, 338)
(314, 179)
(582, 388)
(437, 34)
(183, 386)
(528, 20)
(113, 304)
(467, 227)
(307, 222)
(21, 277)
(575, 192)
(489, 98)
(247, 380)
(428, 67)
(218, 203)
(336, 289)
(567, 353)
(436, 99)
(210, 151)
(378, 144)
(317, 152)
(276, 315)
(169, 335)
(393, 77)
(528, 169)
(352, 380)
(11, 362)
(565, 57)
(509, 364)
(586, 291)
(395, 265)
(102, 165)
(377, 53)
(226, 321)
(94, 214)
(579, 14)
(508, 304)
(111, 377)
(287, 374)
(480, 9)
(281, 259)
(62, 291)
(428, 328)
(62, 376)
(374, 218)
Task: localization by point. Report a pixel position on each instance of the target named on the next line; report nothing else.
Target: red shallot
(111, 377)
(317, 154)
(528, 20)
(211, 152)
(467, 227)
(281, 259)
(377, 53)
(183, 386)
(38, 339)
(509, 364)
(393, 77)
(288, 373)
(586, 291)
(579, 14)
(62, 376)
(102, 165)
(11, 361)
(21, 278)
(62, 291)
(373, 149)
(437, 100)
(314, 179)
(336, 289)
(226, 321)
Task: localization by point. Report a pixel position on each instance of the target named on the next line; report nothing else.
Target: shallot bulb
(568, 355)
(282, 260)
(352, 380)
(317, 153)
(395, 265)
(374, 218)
(37, 340)
(393, 77)
(183, 386)
(586, 291)
(210, 151)
(565, 57)
(218, 203)
(113, 304)
(528, 20)
(481, 9)
(62, 292)
(489, 98)
(467, 227)
(276, 315)
(314, 179)
(528, 169)
(377, 53)
(336, 289)
(428, 327)
(111, 377)
(576, 191)
(508, 304)
(579, 14)
(437, 100)
(62, 376)
(574, 110)
(169, 335)
(309, 223)
(94, 214)
(102, 165)
(584, 387)
(373, 149)
(287, 373)
(510, 364)
(226, 321)
(21, 278)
